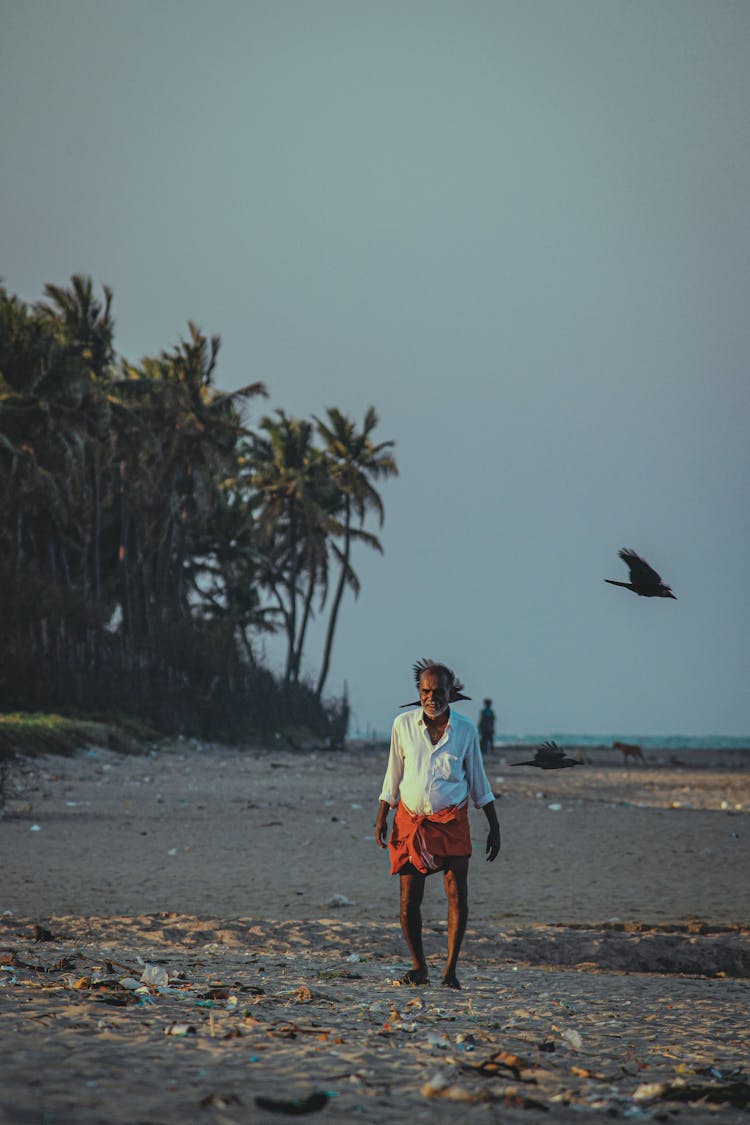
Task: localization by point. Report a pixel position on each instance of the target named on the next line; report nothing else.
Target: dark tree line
(149, 536)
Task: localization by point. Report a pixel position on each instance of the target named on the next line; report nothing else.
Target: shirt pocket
(449, 767)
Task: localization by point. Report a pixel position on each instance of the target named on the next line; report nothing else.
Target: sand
(605, 972)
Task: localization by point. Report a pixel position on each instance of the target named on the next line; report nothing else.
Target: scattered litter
(647, 1091)
(35, 828)
(736, 1093)
(41, 933)
(180, 1029)
(220, 1101)
(130, 983)
(435, 1039)
(303, 994)
(339, 900)
(441, 1087)
(294, 1107)
(498, 1062)
(573, 1038)
(435, 1085)
(155, 975)
(554, 807)
(353, 958)
(724, 1075)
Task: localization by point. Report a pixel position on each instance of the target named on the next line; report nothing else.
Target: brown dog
(630, 750)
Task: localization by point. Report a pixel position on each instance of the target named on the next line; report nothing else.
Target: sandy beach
(205, 933)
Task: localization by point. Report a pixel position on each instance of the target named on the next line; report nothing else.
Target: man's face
(433, 694)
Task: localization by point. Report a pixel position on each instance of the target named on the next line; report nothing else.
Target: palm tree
(355, 462)
(179, 442)
(289, 477)
(55, 362)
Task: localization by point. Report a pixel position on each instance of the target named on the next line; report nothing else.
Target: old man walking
(434, 768)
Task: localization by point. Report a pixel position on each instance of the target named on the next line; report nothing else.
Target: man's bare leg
(412, 892)
(456, 881)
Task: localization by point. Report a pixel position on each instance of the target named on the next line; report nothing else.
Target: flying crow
(643, 578)
(457, 687)
(549, 756)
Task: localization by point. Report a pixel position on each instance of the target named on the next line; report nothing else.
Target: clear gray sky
(519, 228)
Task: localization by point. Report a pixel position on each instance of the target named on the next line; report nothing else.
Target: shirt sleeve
(394, 771)
(480, 789)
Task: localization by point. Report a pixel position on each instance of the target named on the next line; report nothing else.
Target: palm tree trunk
(291, 629)
(303, 626)
(336, 603)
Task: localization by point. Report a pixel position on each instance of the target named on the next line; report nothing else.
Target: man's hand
(493, 836)
(381, 825)
(493, 843)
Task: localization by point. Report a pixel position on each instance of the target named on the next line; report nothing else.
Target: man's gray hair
(442, 670)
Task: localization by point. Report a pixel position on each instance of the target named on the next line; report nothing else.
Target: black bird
(457, 688)
(643, 578)
(549, 756)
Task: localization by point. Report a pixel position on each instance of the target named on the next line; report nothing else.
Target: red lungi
(427, 841)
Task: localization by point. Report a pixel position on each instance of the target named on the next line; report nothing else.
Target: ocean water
(671, 742)
(685, 742)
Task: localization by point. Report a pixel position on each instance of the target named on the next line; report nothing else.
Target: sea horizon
(685, 742)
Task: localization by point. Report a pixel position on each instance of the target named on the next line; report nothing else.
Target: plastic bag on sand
(156, 976)
(338, 900)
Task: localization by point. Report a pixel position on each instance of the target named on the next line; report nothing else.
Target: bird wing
(549, 753)
(641, 574)
(420, 665)
(454, 697)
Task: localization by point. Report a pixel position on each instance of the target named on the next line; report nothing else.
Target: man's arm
(493, 836)
(381, 825)
(389, 793)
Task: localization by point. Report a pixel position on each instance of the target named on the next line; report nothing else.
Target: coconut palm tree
(355, 463)
(180, 440)
(294, 497)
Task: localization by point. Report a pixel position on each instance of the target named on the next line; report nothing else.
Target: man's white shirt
(430, 778)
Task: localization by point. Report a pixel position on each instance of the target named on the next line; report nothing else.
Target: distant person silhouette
(486, 727)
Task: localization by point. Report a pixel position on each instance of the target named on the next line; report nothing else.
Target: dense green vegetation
(149, 535)
(27, 734)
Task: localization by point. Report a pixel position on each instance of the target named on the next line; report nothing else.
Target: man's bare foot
(450, 980)
(415, 976)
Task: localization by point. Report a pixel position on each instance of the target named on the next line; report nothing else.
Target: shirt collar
(422, 723)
